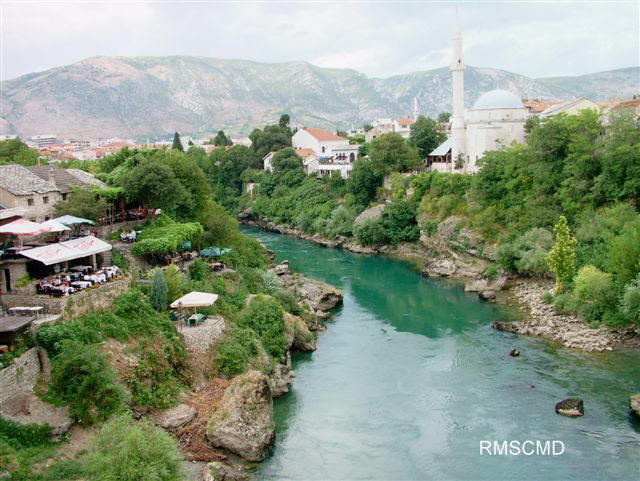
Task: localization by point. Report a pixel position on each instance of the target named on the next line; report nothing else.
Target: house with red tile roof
(320, 141)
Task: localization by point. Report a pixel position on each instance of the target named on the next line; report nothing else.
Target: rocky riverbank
(225, 424)
(455, 253)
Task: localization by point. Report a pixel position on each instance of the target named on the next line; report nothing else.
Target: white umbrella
(72, 220)
(195, 299)
(23, 227)
(55, 226)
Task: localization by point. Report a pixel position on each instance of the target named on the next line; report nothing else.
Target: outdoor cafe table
(27, 309)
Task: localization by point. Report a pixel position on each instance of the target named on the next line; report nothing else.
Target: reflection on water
(410, 376)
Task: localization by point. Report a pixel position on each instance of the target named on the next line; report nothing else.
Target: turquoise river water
(409, 378)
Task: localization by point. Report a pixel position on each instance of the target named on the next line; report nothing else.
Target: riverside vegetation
(111, 367)
(564, 205)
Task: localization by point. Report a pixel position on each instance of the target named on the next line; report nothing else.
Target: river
(409, 378)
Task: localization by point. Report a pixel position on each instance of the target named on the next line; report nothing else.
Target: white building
(42, 140)
(318, 140)
(496, 120)
(402, 126)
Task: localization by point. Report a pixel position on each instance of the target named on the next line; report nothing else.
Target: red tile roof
(405, 122)
(304, 152)
(321, 134)
(538, 105)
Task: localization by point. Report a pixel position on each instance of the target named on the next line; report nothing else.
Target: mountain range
(102, 97)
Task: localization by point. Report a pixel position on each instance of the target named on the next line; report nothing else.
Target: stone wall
(76, 304)
(20, 377)
(105, 231)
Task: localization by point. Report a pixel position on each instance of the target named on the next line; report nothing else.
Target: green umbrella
(214, 251)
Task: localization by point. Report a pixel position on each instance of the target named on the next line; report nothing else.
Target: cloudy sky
(377, 38)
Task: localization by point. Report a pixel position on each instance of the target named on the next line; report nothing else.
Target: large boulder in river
(439, 267)
(243, 422)
(486, 286)
(571, 407)
(372, 213)
(634, 403)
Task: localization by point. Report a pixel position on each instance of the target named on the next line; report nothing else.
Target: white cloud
(379, 39)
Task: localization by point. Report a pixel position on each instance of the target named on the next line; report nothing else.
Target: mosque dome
(498, 99)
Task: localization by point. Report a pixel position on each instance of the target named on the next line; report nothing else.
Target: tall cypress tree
(176, 142)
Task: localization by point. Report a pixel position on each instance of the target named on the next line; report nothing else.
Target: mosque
(496, 120)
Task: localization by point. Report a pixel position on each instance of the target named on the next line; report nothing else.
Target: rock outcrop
(318, 296)
(634, 404)
(572, 407)
(243, 421)
(485, 287)
(372, 213)
(175, 417)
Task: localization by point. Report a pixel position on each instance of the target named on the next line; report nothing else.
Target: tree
(177, 144)
(391, 152)
(367, 127)
(153, 185)
(14, 151)
(426, 135)
(285, 160)
(270, 139)
(159, 291)
(284, 121)
(562, 257)
(221, 139)
(443, 117)
(82, 202)
(341, 133)
(129, 450)
(363, 183)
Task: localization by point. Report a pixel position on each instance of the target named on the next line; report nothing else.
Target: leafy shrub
(592, 285)
(399, 222)
(117, 259)
(566, 303)
(265, 317)
(159, 291)
(492, 271)
(270, 282)
(175, 282)
(340, 223)
(631, 300)
(288, 302)
(624, 253)
(371, 233)
(547, 297)
(82, 377)
(528, 253)
(198, 269)
(231, 355)
(126, 450)
(21, 436)
(167, 239)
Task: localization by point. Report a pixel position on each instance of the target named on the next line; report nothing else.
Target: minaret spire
(458, 134)
(415, 108)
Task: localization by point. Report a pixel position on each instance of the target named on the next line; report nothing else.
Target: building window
(323, 149)
(45, 200)
(64, 196)
(29, 201)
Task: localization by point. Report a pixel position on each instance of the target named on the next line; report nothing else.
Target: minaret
(457, 87)
(415, 108)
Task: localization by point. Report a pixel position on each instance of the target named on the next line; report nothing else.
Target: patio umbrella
(214, 251)
(73, 220)
(55, 226)
(23, 227)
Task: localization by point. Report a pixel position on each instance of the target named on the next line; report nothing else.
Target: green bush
(270, 282)
(566, 303)
(528, 253)
(371, 233)
(128, 450)
(492, 271)
(631, 300)
(159, 291)
(198, 269)
(82, 377)
(175, 282)
(231, 355)
(21, 436)
(288, 302)
(265, 317)
(399, 222)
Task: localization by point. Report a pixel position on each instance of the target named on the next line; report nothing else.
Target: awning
(214, 251)
(23, 227)
(195, 299)
(73, 220)
(443, 148)
(67, 251)
(55, 226)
